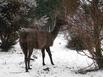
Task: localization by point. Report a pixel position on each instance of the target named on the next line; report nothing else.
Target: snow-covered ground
(67, 62)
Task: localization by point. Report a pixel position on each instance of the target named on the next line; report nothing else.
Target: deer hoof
(52, 63)
(31, 59)
(27, 71)
(29, 68)
(44, 64)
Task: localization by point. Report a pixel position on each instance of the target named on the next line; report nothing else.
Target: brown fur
(33, 38)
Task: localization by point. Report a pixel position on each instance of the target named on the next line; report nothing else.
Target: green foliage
(48, 8)
(8, 40)
(8, 23)
(7, 14)
(27, 13)
(76, 44)
(13, 15)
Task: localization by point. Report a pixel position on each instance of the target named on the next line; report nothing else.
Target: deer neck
(56, 30)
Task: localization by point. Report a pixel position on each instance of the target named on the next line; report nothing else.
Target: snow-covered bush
(13, 15)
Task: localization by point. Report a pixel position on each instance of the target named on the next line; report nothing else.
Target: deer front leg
(26, 65)
(25, 50)
(26, 61)
(43, 56)
(50, 55)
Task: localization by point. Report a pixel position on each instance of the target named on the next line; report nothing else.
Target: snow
(67, 62)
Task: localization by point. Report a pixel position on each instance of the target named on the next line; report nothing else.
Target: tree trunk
(99, 62)
(98, 53)
(99, 57)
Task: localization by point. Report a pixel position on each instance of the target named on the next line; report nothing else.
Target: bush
(75, 44)
(8, 40)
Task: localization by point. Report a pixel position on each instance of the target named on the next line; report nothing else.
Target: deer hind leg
(50, 55)
(29, 57)
(25, 58)
(43, 56)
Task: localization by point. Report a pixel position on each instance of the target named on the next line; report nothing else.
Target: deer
(32, 38)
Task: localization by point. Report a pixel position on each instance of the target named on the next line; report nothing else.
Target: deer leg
(26, 59)
(50, 55)
(43, 56)
(25, 50)
(29, 57)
